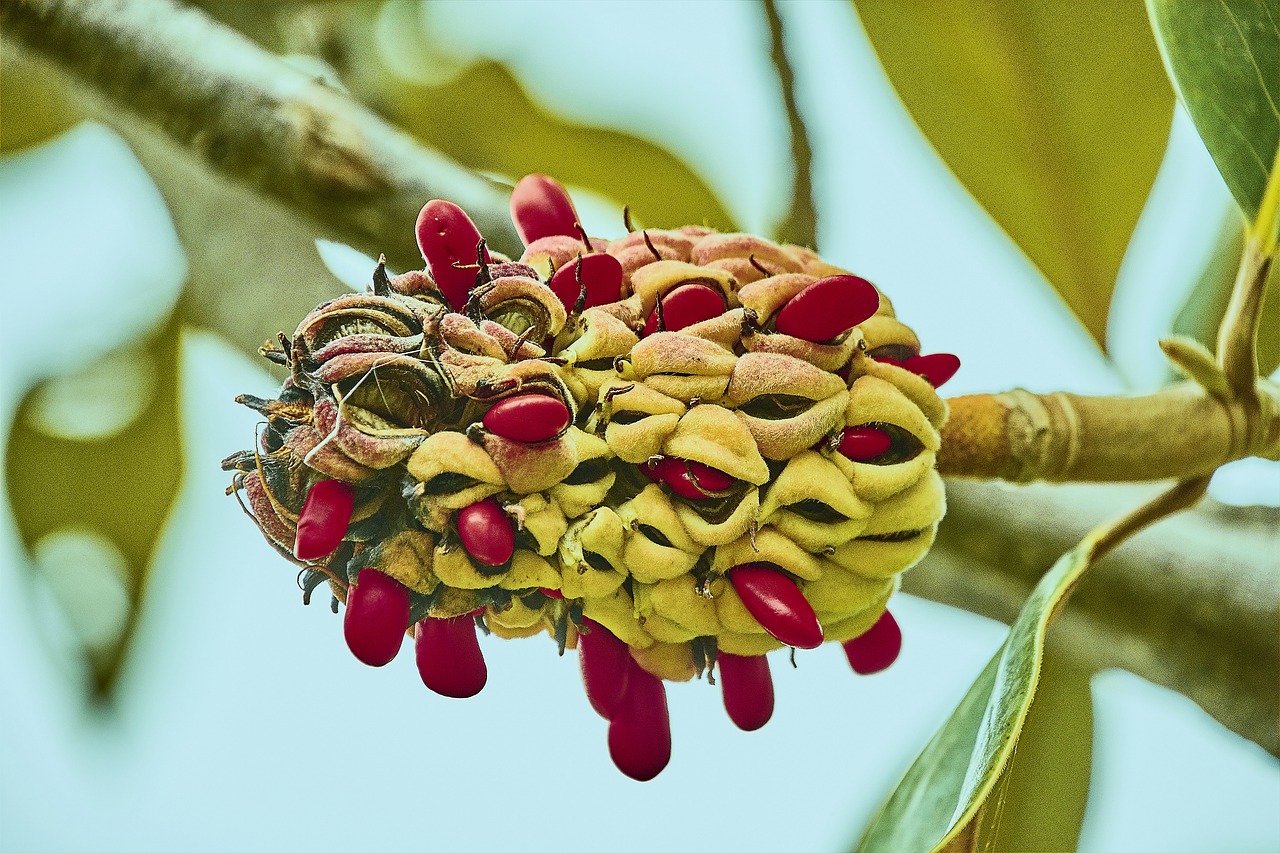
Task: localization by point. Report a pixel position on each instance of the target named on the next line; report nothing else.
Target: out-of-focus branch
(800, 223)
(256, 119)
(1182, 604)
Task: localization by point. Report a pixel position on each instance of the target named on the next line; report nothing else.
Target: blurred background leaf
(33, 106)
(1207, 303)
(1224, 59)
(83, 449)
(1054, 116)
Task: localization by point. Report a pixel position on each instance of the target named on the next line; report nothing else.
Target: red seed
(777, 604)
(601, 275)
(449, 657)
(551, 593)
(448, 240)
(606, 663)
(486, 532)
(540, 207)
(324, 519)
(877, 648)
(937, 367)
(828, 308)
(652, 471)
(863, 443)
(692, 480)
(684, 306)
(640, 730)
(376, 618)
(747, 688)
(527, 417)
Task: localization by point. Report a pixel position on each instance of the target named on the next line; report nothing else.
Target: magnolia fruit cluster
(674, 452)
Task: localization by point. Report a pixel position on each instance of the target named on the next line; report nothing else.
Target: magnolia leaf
(34, 104)
(93, 466)
(1054, 116)
(1202, 314)
(947, 786)
(1040, 802)
(1224, 58)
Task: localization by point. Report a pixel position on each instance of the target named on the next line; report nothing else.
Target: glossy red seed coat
(692, 480)
(685, 305)
(747, 688)
(448, 240)
(601, 274)
(606, 664)
(449, 657)
(877, 648)
(527, 417)
(324, 519)
(376, 617)
(777, 604)
(862, 443)
(640, 730)
(541, 207)
(936, 367)
(486, 532)
(827, 308)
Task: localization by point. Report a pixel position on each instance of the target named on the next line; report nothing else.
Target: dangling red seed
(747, 688)
(606, 663)
(936, 367)
(376, 618)
(527, 417)
(449, 657)
(692, 480)
(777, 604)
(541, 207)
(863, 443)
(827, 308)
(876, 648)
(640, 730)
(324, 519)
(601, 275)
(684, 306)
(448, 240)
(486, 532)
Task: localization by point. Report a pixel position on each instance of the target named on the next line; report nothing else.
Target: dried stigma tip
(684, 306)
(600, 275)
(640, 730)
(486, 532)
(527, 417)
(324, 519)
(747, 688)
(828, 308)
(541, 207)
(777, 604)
(376, 619)
(876, 648)
(863, 443)
(606, 663)
(449, 241)
(449, 657)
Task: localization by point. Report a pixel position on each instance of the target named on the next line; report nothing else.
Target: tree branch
(256, 119)
(800, 223)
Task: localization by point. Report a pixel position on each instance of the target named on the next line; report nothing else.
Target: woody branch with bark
(241, 116)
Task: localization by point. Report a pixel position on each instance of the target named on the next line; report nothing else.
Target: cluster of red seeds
(674, 451)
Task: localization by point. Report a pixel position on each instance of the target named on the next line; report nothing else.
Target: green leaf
(1202, 314)
(93, 466)
(1053, 115)
(1224, 58)
(943, 792)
